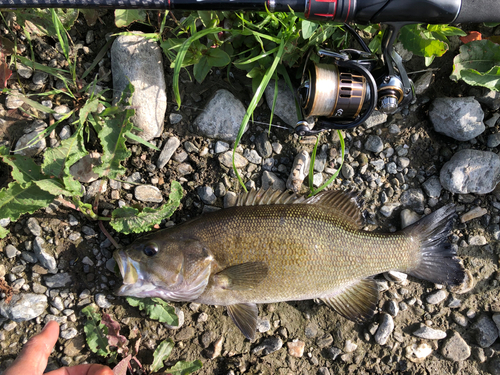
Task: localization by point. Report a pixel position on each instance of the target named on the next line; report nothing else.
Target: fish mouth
(128, 269)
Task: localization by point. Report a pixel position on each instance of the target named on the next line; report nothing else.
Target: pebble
(374, 144)
(217, 348)
(413, 199)
(22, 147)
(408, 217)
(180, 156)
(148, 193)
(206, 194)
(102, 301)
(175, 118)
(376, 118)
(324, 340)
(458, 118)
(459, 319)
(455, 348)
(284, 107)
(425, 332)
(34, 227)
(471, 171)
(202, 317)
(496, 320)
(252, 156)
(323, 371)
(477, 240)
(57, 303)
(473, 214)
(432, 187)
(270, 180)
(387, 209)
(277, 147)
(395, 276)
(349, 346)
(220, 147)
(221, 117)
(9, 326)
(263, 146)
(268, 346)
(485, 331)
(347, 171)
(332, 353)
(185, 169)
(296, 348)
(437, 297)
(138, 60)
(25, 306)
(493, 140)
(392, 308)
(59, 280)
(384, 329)
(69, 333)
(423, 82)
(418, 353)
(12, 100)
(300, 169)
(227, 160)
(45, 259)
(320, 161)
(311, 330)
(167, 151)
(11, 251)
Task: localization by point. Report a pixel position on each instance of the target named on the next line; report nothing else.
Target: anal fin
(245, 316)
(357, 302)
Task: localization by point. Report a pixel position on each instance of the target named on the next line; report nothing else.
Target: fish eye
(150, 249)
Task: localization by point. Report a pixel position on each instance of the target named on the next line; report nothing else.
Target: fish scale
(275, 247)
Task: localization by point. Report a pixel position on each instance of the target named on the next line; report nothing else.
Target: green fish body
(275, 247)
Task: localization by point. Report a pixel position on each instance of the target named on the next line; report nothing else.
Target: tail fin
(439, 263)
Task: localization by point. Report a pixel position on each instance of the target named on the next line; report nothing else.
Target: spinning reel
(344, 88)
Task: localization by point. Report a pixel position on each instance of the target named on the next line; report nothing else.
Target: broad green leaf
(217, 57)
(112, 136)
(39, 21)
(201, 69)
(16, 200)
(308, 28)
(209, 18)
(95, 331)
(89, 107)
(422, 42)
(446, 30)
(161, 353)
(129, 220)
(138, 139)
(3, 232)
(491, 24)
(24, 168)
(156, 309)
(184, 368)
(54, 186)
(124, 17)
(478, 64)
(57, 161)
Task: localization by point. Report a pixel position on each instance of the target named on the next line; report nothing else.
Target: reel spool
(327, 92)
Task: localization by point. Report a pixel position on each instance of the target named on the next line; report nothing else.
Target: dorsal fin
(341, 204)
(357, 302)
(262, 197)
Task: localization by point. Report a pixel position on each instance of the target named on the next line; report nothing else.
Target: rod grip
(122, 4)
(478, 11)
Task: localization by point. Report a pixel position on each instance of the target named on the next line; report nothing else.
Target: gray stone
(471, 171)
(148, 193)
(473, 214)
(227, 160)
(221, 146)
(437, 297)
(180, 156)
(324, 340)
(57, 303)
(40, 78)
(138, 60)
(263, 325)
(96, 187)
(22, 147)
(496, 320)
(423, 82)
(29, 257)
(347, 171)
(61, 112)
(300, 170)
(59, 280)
(34, 227)
(408, 217)
(323, 371)
(24, 307)
(377, 118)
(12, 100)
(221, 118)
(394, 129)
(65, 132)
(428, 333)
(455, 348)
(460, 319)
(492, 121)
(167, 151)
(252, 156)
(391, 168)
(432, 187)
(384, 329)
(268, 346)
(285, 102)
(387, 209)
(270, 180)
(392, 308)
(24, 71)
(414, 199)
(263, 145)
(493, 140)
(175, 118)
(82, 170)
(374, 144)
(206, 194)
(332, 353)
(491, 99)
(102, 301)
(458, 118)
(69, 333)
(9, 326)
(485, 331)
(320, 161)
(45, 259)
(11, 251)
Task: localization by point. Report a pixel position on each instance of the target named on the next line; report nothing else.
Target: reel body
(343, 89)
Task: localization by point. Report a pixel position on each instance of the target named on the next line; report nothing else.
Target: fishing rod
(343, 89)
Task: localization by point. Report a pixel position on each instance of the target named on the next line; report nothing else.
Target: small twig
(109, 236)
(424, 71)
(7, 289)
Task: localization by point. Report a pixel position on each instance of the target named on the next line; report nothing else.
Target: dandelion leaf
(24, 168)
(184, 368)
(16, 200)
(95, 331)
(156, 309)
(161, 353)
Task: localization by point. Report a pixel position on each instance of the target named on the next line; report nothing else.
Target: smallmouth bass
(275, 247)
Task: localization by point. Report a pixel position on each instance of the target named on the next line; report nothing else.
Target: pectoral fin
(244, 315)
(357, 302)
(245, 276)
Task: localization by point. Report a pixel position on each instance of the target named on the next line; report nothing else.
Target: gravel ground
(404, 166)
